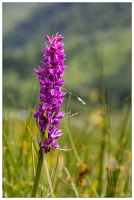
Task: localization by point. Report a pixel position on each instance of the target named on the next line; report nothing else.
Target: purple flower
(51, 97)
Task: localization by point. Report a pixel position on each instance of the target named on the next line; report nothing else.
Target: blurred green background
(97, 36)
(97, 39)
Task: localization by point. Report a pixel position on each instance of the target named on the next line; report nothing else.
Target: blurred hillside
(97, 38)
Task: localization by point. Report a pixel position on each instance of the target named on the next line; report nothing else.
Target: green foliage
(97, 135)
(97, 163)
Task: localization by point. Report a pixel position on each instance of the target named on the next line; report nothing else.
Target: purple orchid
(51, 97)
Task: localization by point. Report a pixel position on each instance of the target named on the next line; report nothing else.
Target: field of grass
(95, 155)
(95, 162)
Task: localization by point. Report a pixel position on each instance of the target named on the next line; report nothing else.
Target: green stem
(72, 142)
(38, 172)
(103, 143)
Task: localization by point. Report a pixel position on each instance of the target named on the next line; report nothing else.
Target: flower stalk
(49, 113)
(38, 173)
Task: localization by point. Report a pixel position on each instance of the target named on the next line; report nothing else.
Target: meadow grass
(95, 162)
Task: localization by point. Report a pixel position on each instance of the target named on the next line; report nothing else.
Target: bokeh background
(97, 38)
(95, 34)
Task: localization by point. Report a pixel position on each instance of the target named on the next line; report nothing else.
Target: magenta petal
(51, 97)
(37, 114)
